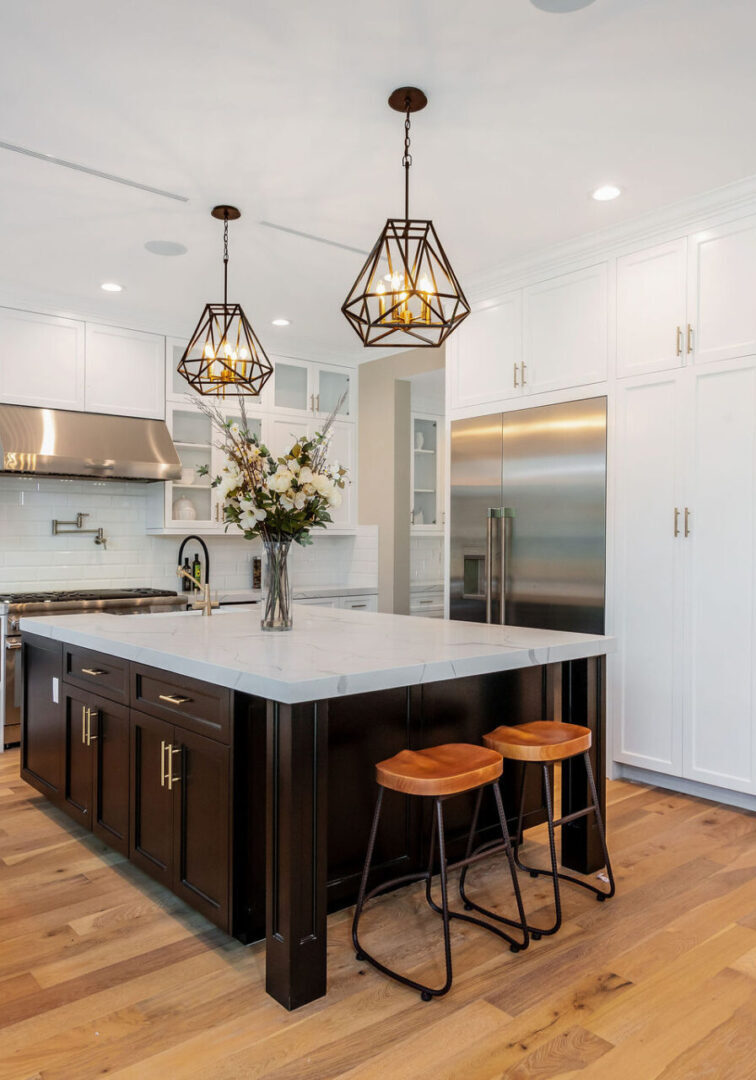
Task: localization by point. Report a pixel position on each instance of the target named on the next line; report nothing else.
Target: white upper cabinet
(485, 354)
(649, 572)
(125, 372)
(720, 678)
(721, 276)
(302, 386)
(329, 385)
(651, 322)
(565, 334)
(43, 360)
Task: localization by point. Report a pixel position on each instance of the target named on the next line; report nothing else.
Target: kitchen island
(236, 766)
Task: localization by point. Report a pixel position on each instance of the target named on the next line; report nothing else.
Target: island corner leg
(584, 702)
(296, 852)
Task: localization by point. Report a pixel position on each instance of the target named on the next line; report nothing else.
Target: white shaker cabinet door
(649, 573)
(721, 275)
(565, 336)
(125, 372)
(43, 360)
(721, 496)
(651, 328)
(485, 354)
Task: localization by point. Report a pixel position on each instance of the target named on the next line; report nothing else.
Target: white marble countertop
(329, 652)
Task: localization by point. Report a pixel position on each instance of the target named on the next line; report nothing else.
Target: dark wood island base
(256, 812)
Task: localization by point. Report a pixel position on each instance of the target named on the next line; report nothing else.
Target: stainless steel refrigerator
(528, 517)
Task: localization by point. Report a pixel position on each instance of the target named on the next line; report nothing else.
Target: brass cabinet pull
(171, 778)
(163, 746)
(92, 671)
(515, 383)
(677, 521)
(679, 347)
(90, 737)
(172, 699)
(686, 525)
(84, 724)
(690, 338)
(522, 372)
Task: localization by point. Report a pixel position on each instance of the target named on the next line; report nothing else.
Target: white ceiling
(280, 108)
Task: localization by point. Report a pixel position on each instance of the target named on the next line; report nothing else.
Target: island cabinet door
(78, 770)
(201, 833)
(109, 727)
(151, 846)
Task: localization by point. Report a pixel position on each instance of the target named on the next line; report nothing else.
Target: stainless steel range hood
(53, 442)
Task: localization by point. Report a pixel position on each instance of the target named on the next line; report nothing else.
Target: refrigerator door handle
(491, 513)
(500, 514)
(504, 513)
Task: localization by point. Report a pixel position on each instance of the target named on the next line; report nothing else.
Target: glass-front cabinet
(426, 512)
(189, 501)
(301, 386)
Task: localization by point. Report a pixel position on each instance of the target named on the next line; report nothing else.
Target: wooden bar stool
(545, 743)
(440, 772)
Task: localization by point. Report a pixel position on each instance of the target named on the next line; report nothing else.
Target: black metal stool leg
(437, 836)
(506, 844)
(538, 933)
(553, 873)
(427, 994)
(469, 848)
(602, 834)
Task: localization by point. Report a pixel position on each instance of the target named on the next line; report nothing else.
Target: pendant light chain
(225, 259)
(406, 159)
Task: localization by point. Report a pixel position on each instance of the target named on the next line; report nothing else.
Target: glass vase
(277, 614)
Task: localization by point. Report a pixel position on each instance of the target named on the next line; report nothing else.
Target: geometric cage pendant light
(224, 355)
(407, 293)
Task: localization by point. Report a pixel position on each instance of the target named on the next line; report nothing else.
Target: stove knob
(13, 625)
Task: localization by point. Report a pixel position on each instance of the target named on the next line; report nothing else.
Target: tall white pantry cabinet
(680, 377)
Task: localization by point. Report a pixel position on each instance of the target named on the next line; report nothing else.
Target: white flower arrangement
(281, 498)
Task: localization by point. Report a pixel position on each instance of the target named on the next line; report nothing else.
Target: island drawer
(194, 705)
(90, 670)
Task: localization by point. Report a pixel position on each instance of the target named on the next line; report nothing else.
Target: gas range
(69, 601)
(14, 605)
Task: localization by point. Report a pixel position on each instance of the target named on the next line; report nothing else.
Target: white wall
(32, 558)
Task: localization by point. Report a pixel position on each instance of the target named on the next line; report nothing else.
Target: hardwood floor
(103, 972)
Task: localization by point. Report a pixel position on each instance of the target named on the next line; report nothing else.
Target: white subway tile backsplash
(32, 558)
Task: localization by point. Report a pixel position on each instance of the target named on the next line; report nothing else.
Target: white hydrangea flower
(305, 475)
(281, 479)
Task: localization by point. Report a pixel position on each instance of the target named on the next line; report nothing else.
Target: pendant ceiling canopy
(224, 355)
(407, 293)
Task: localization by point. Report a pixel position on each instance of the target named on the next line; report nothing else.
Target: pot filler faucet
(205, 603)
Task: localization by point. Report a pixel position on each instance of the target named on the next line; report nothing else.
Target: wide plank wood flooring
(104, 973)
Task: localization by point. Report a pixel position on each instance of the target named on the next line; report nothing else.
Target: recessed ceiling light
(165, 247)
(606, 193)
(111, 286)
(560, 7)
(281, 322)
